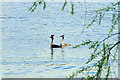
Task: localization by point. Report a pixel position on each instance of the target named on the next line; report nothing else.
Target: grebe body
(62, 43)
(54, 45)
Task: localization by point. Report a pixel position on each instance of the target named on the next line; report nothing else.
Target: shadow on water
(52, 53)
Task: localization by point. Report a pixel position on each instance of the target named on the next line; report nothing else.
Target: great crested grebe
(62, 43)
(54, 45)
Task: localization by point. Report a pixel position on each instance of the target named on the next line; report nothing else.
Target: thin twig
(85, 20)
(110, 48)
(109, 37)
(113, 46)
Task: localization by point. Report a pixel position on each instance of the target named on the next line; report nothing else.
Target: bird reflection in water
(52, 53)
(55, 46)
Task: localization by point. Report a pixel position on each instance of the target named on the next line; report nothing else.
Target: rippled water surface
(26, 42)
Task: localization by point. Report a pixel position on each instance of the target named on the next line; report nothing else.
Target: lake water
(26, 44)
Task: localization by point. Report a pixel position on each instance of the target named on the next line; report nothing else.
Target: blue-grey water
(26, 44)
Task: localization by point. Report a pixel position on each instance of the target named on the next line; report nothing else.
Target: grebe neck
(62, 42)
(62, 38)
(52, 40)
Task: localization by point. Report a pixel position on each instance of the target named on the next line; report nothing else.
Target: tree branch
(85, 20)
(109, 37)
(109, 49)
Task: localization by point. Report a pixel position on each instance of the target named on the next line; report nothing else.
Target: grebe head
(62, 36)
(52, 36)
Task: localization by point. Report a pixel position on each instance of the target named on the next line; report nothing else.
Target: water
(26, 43)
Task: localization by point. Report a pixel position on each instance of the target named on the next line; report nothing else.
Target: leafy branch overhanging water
(100, 48)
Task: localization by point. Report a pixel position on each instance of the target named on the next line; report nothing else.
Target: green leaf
(72, 7)
(86, 43)
(76, 46)
(108, 71)
(40, 2)
(94, 20)
(101, 15)
(65, 3)
(93, 45)
(111, 30)
(44, 6)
